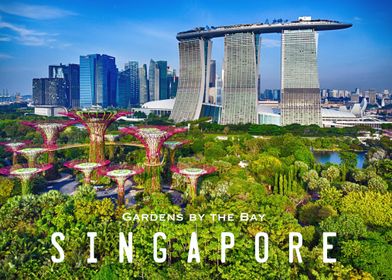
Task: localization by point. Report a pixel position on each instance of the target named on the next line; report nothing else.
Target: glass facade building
(163, 93)
(71, 74)
(134, 94)
(50, 91)
(98, 80)
(300, 90)
(240, 85)
(143, 82)
(195, 56)
(153, 81)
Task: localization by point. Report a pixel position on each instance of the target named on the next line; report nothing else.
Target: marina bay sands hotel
(300, 90)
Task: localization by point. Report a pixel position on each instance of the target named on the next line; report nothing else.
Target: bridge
(71, 146)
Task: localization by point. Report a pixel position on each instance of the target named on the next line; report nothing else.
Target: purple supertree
(121, 173)
(25, 174)
(86, 167)
(193, 174)
(14, 147)
(152, 138)
(31, 154)
(50, 131)
(96, 123)
(172, 146)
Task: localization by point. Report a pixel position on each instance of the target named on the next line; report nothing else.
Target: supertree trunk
(14, 158)
(193, 187)
(97, 142)
(52, 173)
(26, 186)
(121, 192)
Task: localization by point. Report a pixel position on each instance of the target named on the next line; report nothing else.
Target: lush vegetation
(276, 176)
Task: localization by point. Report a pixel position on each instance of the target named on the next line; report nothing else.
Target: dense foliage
(276, 176)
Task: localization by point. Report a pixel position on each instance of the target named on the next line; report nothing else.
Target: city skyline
(33, 36)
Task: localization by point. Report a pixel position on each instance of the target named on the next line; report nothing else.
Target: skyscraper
(162, 65)
(211, 83)
(153, 80)
(71, 74)
(241, 68)
(123, 88)
(134, 94)
(50, 91)
(172, 83)
(143, 82)
(98, 80)
(300, 90)
(195, 55)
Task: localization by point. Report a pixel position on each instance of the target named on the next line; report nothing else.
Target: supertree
(96, 123)
(50, 132)
(14, 147)
(111, 138)
(31, 154)
(171, 147)
(25, 174)
(86, 167)
(153, 137)
(121, 173)
(193, 174)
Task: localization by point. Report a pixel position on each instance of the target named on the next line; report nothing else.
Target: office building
(162, 66)
(98, 80)
(134, 94)
(50, 91)
(172, 82)
(153, 81)
(144, 86)
(70, 73)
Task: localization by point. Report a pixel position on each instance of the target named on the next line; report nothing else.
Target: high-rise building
(211, 82)
(241, 65)
(172, 82)
(143, 82)
(98, 80)
(50, 91)
(300, 95)
(195, 55)
(162, 66)
(134, 94)
(123, 88)
(70, 73)
(153, 80)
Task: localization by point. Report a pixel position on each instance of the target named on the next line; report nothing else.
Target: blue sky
(34, 34)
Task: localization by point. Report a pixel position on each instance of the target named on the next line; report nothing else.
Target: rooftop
(275, 27)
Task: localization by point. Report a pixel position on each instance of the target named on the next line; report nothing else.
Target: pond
(333, 157)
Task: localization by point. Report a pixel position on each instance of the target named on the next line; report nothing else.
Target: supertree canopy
(153, 137)
(86, 167)
(172, 146)
(25, 174)
(193, 174)
(14, 147)
(49, 130)
(121, 173)
(31, 154)
(96, 122)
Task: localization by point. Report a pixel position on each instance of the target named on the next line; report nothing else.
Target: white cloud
(270, 43)
(39, 12)
(4, 56)
(27, 36)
